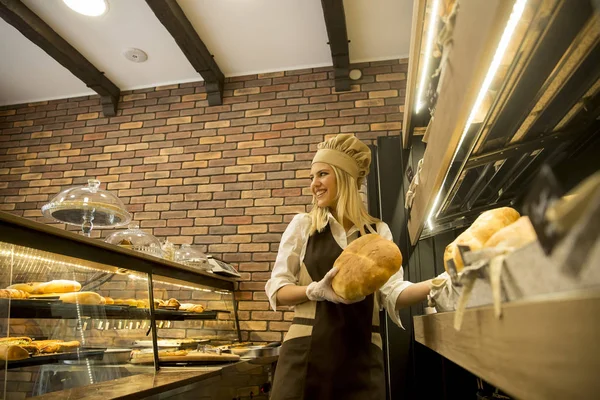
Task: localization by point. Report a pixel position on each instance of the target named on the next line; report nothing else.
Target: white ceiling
(245, 36)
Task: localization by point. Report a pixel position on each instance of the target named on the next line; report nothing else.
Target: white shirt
(292, 250)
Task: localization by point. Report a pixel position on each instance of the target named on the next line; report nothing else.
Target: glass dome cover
(192, 257)
(87, 205)
(136, 239)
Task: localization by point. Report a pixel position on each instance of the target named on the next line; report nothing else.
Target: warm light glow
(515, 16)
(91, 8)
(428, 50)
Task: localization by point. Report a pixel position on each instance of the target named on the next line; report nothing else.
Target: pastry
(478, 233)
(12, 353)
(56, 346)
(172, 303)
(158, 303)
(102, 300)
(90, 298)
(142, 303)
(365, 266)
(109, 300)
(16, 340)
(57, 286)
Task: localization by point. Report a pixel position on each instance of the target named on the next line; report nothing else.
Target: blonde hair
(349, 205)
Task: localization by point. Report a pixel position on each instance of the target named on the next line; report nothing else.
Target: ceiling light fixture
(91, 8)
(428, 50)
(509, 30)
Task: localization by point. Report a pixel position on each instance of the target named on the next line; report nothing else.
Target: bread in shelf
(57, 286)
(475, 237)
(13, 353)
(13, 294)
(513, 236)
(88, 298)
(25, 287)
(196, 308)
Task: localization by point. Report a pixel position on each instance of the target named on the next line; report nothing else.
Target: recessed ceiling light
(91, 8)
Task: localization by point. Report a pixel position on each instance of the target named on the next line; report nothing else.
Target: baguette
(57, 286)
(26, 287)
(197, 308)
(13, 353)
(90, 298)
(479, 233)
(13, 294)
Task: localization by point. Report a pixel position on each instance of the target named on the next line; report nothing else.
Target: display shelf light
(507, 35)
(431, 29)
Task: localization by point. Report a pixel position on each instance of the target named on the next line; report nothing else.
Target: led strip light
(428, 49)
(509, 30)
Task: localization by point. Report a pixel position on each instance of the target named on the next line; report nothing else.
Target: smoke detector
(135, 55)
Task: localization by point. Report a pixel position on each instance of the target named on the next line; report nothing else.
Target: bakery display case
(76, 311)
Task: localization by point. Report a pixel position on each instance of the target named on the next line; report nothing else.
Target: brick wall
(227, 178)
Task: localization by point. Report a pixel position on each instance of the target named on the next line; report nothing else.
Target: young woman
(333, 347)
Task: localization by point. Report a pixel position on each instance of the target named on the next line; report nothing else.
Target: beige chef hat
(346, 152)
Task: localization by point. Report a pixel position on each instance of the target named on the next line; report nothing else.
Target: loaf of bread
(142, 304)
(56, 346)
(90, 298)
(513, 236)
(25, 287)
(109, 300)
(365, 266)
(12, 353)
(57, 286)
(475, 237)
(13, 294)
(197, 308)
(15, 340)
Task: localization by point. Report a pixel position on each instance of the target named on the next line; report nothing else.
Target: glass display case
(75, 311)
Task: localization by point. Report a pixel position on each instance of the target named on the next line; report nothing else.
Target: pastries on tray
(20, 348)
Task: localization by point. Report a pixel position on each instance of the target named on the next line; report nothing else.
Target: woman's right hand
(322, 290)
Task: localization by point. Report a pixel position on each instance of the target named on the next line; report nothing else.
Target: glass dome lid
(193, 257)
(136, 239)
(87, 206)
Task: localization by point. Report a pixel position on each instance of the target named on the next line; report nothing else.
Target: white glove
(322, 290)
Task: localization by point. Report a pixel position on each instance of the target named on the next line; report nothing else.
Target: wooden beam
(335, 22)
(412, 79)
(468, 63)
(35, 29)
(540, 349)
(173, 18)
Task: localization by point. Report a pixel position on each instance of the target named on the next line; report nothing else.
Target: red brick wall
(227, 178)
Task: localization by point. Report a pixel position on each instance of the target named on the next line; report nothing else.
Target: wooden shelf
(543, 348)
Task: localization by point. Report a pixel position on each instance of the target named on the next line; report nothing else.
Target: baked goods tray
(83, 353)
(55, 309)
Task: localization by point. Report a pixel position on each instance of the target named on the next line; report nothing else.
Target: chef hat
(346, 152)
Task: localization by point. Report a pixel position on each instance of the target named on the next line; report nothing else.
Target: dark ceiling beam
(173, 18)
(335, 21)
(36, 30)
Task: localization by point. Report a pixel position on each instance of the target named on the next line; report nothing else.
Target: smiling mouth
(320, 193)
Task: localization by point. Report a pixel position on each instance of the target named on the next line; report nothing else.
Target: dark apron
(339, 361)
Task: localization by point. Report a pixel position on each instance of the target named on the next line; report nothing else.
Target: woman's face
(323, 185)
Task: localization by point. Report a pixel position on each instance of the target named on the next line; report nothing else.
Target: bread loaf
(57, 286)
(91, 298)
(365, 266)
(15, 340)
(13, 294)
(197, 308)
(488, 223)
(25, 287)
(12, 353)
(109, 300)
(513, 236)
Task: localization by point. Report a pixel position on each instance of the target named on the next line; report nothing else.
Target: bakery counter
(175, 382)
(544, 347)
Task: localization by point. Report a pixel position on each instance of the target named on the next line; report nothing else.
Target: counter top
(144, 385)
